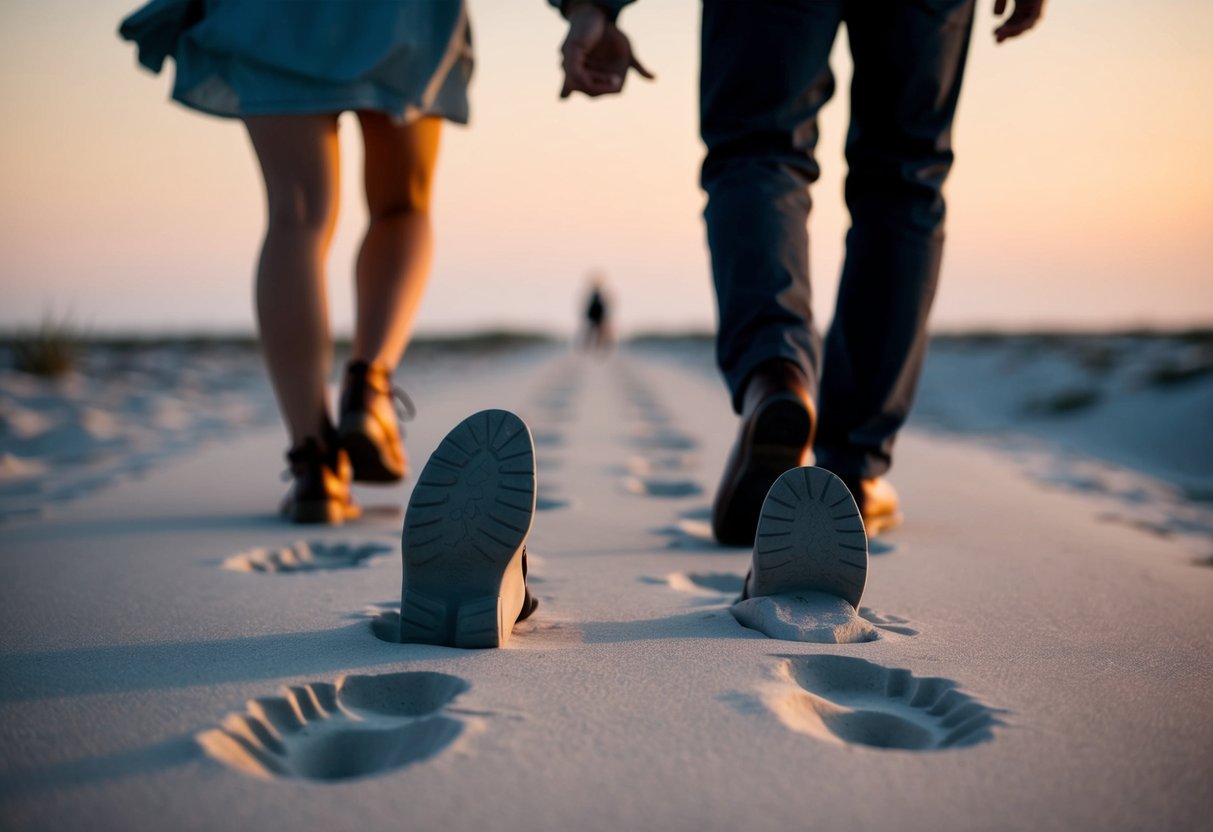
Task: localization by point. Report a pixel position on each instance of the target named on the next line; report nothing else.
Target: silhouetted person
(764, 75)
(597, 335)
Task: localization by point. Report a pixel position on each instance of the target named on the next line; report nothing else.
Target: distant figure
(764, 75)
(288, 70)
(597, 335)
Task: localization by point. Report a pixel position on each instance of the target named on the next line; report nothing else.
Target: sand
(174, 656)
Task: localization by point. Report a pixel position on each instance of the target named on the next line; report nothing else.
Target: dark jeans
(765, 74)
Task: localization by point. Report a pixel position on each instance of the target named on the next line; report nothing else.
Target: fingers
(1027, 14)
(596, 56)
(591, 83)
(644, 73)
(583, 75)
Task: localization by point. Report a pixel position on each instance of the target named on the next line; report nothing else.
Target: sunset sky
(1082, 194)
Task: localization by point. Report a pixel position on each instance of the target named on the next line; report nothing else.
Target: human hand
(596, 54)
(1027, 13)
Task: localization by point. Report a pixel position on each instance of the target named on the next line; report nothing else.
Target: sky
(1082, 195)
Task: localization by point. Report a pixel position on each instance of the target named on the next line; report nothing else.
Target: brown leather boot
(368, 427)
(877, 502)
(321, 489)
(777, 423)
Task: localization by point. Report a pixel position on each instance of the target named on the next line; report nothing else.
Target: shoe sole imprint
(810, 537)
(464, 530)
(776, 442)
(363, 440)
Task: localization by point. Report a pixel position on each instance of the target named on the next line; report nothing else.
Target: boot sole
(464, 531)
(810, 538)
(775, 441)
(364, 441)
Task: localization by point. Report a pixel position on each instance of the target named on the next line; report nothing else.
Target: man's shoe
(878, 503)
(320, 492)
(368, 426)
(465, 530)
(810, 539)
(776, 433)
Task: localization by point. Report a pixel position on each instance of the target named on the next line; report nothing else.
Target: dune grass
(50, 351)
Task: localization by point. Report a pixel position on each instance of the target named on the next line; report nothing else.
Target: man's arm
(596, 55)
(1024, 16)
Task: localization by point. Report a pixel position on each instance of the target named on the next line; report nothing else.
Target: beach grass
(50, 350)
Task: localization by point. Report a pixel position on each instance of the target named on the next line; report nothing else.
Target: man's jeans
(765, 75)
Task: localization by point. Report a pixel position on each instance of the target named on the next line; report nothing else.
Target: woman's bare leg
(394, 261)
(299, 159)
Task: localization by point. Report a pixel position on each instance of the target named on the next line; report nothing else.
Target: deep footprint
(359, 727)
(849, 701)
(302, 556)
(815, 617)
(888, 621)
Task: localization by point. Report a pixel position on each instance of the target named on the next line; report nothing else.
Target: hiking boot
(776, 433)
(810, 538)
(320, 492)
(368, 424)
(465, 530)
(878, 503)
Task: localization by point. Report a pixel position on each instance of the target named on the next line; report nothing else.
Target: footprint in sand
(719, 583)
(888, 622)
(361, 726)
(661, 487)
(705, 588)
(641, 466)
(818, 618)
(689, 534)
(726, 587)
(849, 701)
(664, 439)
(547, 503)
(547, 439)
(304, 556)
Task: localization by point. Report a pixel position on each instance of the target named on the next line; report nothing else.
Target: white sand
(1036, 666)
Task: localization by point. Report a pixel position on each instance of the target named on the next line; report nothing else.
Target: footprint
(664, 439)
(805, 616)
(888, 621)
(689, 534)
(725, 584)
(361, 726)
(849, 701)
(302, 556)
(547, 439)
(655, 487)
(876, 546)
(543, 503)
(545, 462)
(644, 465)
(548, 499)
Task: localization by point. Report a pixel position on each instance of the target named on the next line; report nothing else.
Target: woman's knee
(400, 162)
(300, 166)
(301, 205)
